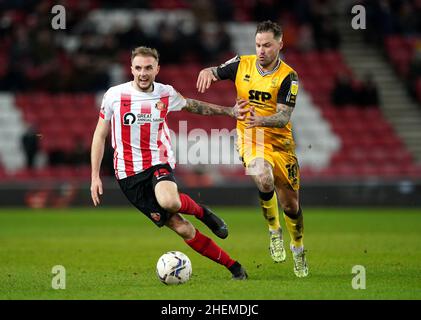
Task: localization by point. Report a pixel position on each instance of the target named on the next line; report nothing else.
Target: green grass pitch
(112, 254)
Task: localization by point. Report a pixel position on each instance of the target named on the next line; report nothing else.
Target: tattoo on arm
(215, 72)
(280, 119)
(207, 109)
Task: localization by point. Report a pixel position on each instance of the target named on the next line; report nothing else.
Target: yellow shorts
(284, 163)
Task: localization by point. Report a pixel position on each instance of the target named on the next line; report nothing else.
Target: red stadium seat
(390, 171)
(367, 170)
(344, 170)
(413, 171)
(23, 174)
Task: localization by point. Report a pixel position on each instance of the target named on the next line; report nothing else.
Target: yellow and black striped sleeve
(288, 91)
(228, 70)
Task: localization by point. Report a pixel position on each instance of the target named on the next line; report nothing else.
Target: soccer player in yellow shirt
(265, 142)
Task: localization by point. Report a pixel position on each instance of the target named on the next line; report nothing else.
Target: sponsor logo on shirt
(294, 88)
(129, 119)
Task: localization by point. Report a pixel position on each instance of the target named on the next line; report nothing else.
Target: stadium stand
(61, 76)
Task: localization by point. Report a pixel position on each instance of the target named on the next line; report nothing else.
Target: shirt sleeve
(106, 111)
(228, 70)
(288, 91)
(176, 100)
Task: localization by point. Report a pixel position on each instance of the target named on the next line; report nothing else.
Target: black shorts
(139, 189)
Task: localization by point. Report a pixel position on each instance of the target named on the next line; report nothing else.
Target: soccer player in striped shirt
(135, 112)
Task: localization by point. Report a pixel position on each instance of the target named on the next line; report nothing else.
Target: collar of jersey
(265, 73)
(142, 92)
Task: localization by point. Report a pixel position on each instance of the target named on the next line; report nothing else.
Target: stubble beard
(145, 89)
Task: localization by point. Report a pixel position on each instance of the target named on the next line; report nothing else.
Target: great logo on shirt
(130, 118)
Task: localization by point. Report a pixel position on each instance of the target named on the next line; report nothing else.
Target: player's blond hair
(146, 52)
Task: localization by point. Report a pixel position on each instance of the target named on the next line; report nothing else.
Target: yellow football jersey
(263, 90)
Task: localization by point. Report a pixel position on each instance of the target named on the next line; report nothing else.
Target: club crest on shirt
(274, 83)
(160, 105)
(294, 87)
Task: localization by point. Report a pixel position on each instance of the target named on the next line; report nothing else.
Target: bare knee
(170, 203)
(288, 198)
(167, 196)
(291, 208)
(264, 181)
(263, 175)
(181, 226)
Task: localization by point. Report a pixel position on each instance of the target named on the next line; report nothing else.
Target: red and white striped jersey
(140, 135)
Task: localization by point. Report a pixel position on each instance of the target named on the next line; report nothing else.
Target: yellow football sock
(270, 212)
(296, 229)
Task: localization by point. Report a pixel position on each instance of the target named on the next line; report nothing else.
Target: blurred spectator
(168, 43)
(399, 20)
(327, 36)
(386, 17)
(89, 44)
(266, 10)
(19, 58)
(379, 20)
(368, 93)
(84, 58)
(30, 146)
(224, 10)
(133, 37)
(109, 48)
(214, 42)
(107, 164)
(80, 155)
(56, 157)
(203, 10)
(343, 92)
(305, 39)
(408, 20)
(135, 4)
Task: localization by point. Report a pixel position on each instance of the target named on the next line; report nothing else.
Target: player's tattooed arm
(206, 77)
(279, 120)
(205, 108)
(214, 72)
(208, 109)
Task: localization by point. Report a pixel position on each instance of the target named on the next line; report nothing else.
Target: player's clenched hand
(239, 110)
(253, 120)
(96, 190)
(205, 79)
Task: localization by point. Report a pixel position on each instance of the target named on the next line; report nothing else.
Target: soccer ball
(173, 267)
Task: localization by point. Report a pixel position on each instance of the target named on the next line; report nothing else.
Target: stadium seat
(366, 137)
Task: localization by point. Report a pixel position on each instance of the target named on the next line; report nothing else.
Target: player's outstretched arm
(200, 107)
(205, 78)
(279, 120)
(97, 153)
